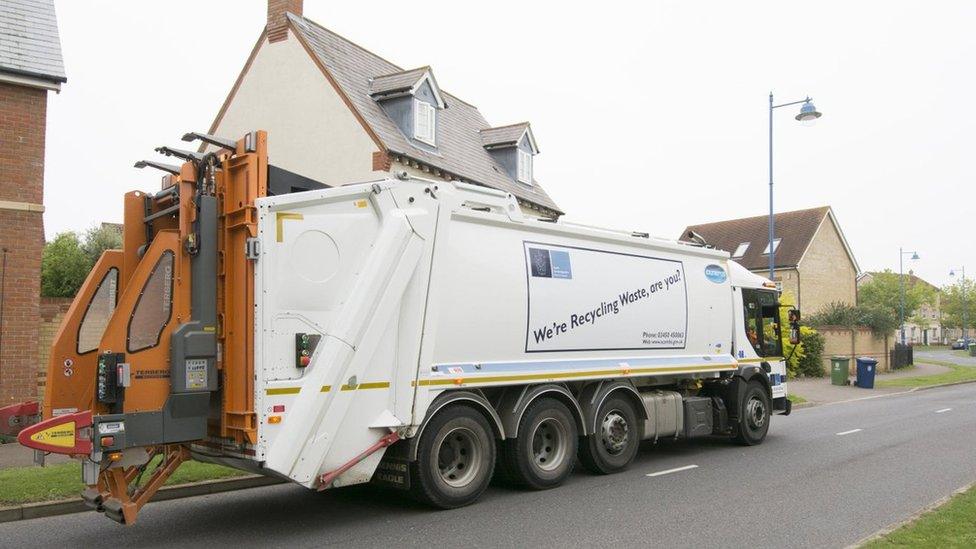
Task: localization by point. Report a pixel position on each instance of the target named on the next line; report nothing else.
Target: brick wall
(52, 311)
(22, 123)
(840, 341)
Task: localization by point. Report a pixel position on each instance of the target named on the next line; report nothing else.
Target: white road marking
(849, 432)
(675, 470)
(942, 410)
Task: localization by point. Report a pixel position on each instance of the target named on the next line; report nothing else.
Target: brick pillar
(23, 113)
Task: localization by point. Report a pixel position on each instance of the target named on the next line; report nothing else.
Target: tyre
(455, 458)
(754, 413)
(614, 445)
(543, 454)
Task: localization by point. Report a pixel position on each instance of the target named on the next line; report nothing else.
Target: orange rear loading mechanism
(156, 351)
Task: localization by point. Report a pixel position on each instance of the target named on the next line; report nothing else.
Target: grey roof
(29, 42)
(504, 135)
(398, 81)
(459, 146)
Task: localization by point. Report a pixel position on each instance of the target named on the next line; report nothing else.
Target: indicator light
(108, 441)
(115, 456)
(274, 419)
(278, 408)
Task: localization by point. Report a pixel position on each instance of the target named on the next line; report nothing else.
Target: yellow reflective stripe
(280, 217)
(327, 388)
(565, 375)
(765, 359)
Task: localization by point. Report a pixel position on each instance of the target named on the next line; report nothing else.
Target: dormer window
(513, 148)
(524, 167)
(424, 122)
(411, 99)
(741, 250)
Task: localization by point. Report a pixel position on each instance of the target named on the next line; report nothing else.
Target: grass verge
(955, 374)
(950, 525)
(796, 399)
(19, 485)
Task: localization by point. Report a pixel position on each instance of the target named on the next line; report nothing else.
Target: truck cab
(758, 332)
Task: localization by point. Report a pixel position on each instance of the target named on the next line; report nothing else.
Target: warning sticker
(62, 435)
(196, 373)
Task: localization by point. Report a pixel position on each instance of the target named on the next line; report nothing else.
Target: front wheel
(754, 413)
(616, 440)
(455, 458)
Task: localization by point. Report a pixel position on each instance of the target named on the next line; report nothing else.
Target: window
(524, 167)
(741, 250)
(152, 311)
(761, 314)
(98, 313)
(424, 121)
(775, 246)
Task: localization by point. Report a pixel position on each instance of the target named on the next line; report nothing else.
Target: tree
(953, 303)
(101, 238)
(64, 266)
(885, 290)
(880, 319)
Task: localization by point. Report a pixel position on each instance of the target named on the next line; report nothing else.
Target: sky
(649, 116)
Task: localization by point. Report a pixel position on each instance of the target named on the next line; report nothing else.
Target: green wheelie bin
(840, 370)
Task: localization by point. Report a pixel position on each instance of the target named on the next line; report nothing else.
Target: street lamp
(901, 282)
(965, 306)
(807, 116)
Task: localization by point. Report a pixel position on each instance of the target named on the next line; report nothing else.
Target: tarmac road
(825, 477)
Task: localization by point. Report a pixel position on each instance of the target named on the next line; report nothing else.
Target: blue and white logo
(715, 273)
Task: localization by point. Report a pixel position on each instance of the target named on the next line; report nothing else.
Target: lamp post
(807, 116)
(901, 282)
(965, 306)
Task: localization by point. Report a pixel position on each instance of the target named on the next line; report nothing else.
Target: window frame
(81, 323)
(142, 293)
(759, 315)
(744, 246)
(424, 110)
(523, 168)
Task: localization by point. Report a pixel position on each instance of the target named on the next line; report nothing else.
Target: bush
(811, 363)
(879, 319)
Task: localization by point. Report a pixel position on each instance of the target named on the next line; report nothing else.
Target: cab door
(70, 382)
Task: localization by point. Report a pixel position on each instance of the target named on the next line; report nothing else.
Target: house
(813, 261)
(338, 113)
(30, 67)
(923, 326)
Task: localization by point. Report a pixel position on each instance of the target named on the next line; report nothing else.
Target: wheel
(615, 444)
(544, 451)
(754, 413)
(455, 458)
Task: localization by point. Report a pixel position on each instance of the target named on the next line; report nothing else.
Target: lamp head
(808, 114)
(952, 272)
(915, 256)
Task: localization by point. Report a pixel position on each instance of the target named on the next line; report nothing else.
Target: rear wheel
(544, 452)
(615, 443)
(455, 458)
(754, 414)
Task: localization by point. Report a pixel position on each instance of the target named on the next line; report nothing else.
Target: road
(826, 477)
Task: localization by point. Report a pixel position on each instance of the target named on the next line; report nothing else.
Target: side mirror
(794, 316)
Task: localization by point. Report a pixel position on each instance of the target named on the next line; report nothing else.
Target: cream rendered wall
(826, 271)
(311, 131)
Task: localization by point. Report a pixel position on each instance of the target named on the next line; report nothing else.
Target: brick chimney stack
(278, 21)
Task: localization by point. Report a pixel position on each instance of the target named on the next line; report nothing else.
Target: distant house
(923, 326)
(338, 113)
(30, 67)
(813, 260)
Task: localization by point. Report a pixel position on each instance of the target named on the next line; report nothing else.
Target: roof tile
(29, 42)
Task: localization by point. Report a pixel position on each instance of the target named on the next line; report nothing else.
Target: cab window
(98, 313)
(761, 313)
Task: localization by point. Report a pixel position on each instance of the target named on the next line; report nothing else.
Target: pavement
(818, 390)
(15, 455)
(827, 476)
(945, 355)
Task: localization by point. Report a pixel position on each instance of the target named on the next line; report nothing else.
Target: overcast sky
(649, 115)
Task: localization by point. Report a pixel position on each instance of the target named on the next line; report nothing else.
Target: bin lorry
(412, 333)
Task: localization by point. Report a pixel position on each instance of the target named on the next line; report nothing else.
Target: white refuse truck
(405, 332)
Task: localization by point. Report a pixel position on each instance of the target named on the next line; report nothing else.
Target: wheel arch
(516, 400)
(595, 394)
(447, 398)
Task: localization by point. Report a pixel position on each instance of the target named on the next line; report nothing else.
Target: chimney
(277, 20)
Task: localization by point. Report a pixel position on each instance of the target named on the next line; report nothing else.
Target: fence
(842, 341)
(902, 356)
